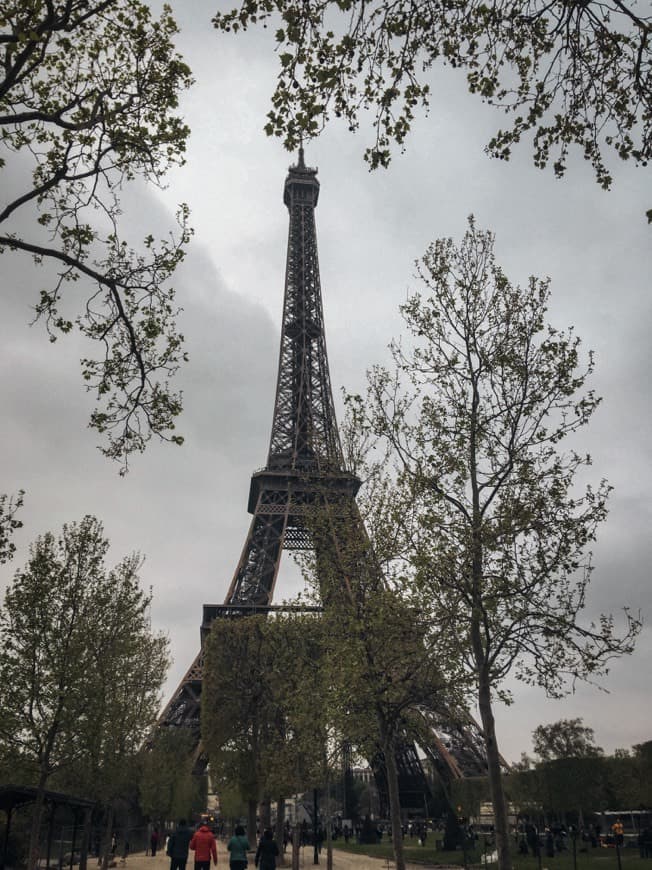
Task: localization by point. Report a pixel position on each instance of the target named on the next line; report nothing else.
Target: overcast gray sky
(185, 508)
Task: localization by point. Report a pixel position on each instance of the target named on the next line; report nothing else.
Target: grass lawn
(594, 859)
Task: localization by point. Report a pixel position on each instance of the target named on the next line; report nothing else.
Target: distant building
(363, 774)
(485, 818)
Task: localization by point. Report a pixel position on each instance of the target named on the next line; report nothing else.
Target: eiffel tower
(305, 465)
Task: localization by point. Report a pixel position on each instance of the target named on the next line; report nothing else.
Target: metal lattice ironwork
(456, 746)
(304, 433)
(305, 468)
(183, 707)
(413, 787)
(304, 463)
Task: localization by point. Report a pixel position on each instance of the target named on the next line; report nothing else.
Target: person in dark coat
(267, 852)
(532, 838)
(178, 844)
(153, 842)
(550, 844)
(646, 842)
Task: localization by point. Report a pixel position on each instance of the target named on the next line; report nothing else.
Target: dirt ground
(341, 861)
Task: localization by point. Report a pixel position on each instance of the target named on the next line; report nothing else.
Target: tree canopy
(567, 74)
(571, 785)
(88, 96)
(378, 670)
(167, 787)
(9, 506)
(567, 738)
(80, 668)
(495, 527)
(262, 706)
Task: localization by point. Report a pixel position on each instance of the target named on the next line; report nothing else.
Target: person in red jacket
(203, 845)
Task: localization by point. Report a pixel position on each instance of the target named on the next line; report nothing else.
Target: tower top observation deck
(301, 185)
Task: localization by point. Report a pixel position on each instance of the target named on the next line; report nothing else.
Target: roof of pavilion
(12, 796)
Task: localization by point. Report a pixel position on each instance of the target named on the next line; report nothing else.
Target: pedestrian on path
(178, 845)
(238, 847)
(203, 845)
(267, 852)
(153, 842)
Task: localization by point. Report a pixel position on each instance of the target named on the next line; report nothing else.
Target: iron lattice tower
(305, 457)
(305, 460)
(305, 466)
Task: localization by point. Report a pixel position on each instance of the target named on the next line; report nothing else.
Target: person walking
(238, 847)
(267, 851)
(178, 845)
(532, 838)
(618, 830)
(646, 842)
(153, 842)
(203, 845)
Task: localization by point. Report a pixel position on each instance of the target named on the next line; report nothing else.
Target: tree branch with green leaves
(9, 506)
(568, 75)
(89, 95)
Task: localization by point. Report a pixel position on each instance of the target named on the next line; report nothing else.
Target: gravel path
(341, 861)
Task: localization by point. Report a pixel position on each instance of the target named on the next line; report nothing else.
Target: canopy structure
(13, 797)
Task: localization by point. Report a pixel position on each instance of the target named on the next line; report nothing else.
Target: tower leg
(255, 576)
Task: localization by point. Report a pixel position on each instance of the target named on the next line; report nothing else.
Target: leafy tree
(524, 763)
(302, 745)
(630, 777)
(232, 806)
(642, 753)
(566, 73)
(80, 669)
(573, 784)
(283, 692)
(294, 644)
(130, 666)
(469, 793)
(236, 713)
(167, 786)
(567, 738)
(495, 524)
(262, 729)
(88, 95)
(9, 524)
(377, 666)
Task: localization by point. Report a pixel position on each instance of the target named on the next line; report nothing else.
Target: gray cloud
(185, 508)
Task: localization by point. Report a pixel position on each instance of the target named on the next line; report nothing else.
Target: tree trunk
(296, 843)
(329, 832)
(85, 839)
(108, 830)
(252, 806)
(329, 847)
(35, 830)
(265, 814)
(393, 794)
(280, 826)
(501, 826)
(480, 652)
